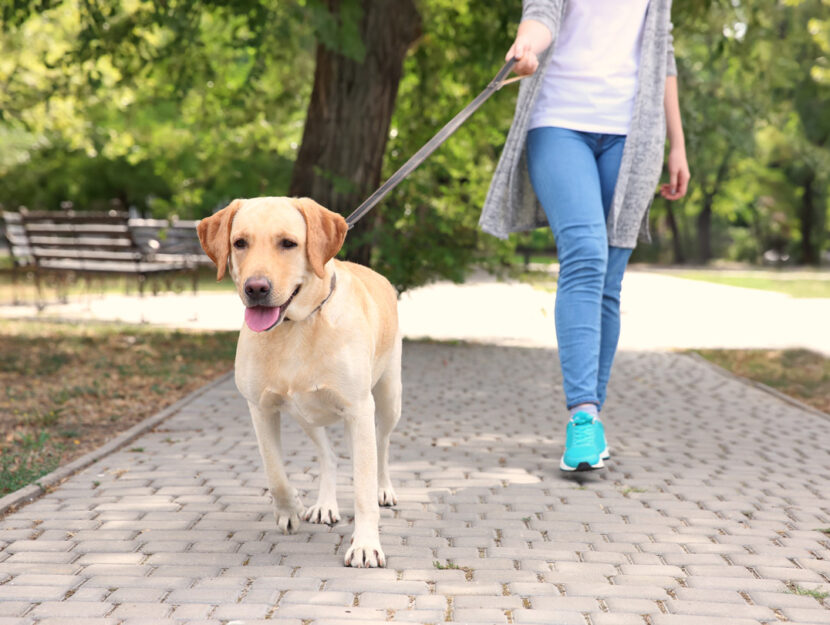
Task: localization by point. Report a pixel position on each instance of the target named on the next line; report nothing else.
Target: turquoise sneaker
(602, 444)
(584, 444)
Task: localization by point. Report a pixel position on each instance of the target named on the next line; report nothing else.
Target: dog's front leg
(325, 510)
(287, 504)
(365, 550)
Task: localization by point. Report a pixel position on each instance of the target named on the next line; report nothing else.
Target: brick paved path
(701, 518)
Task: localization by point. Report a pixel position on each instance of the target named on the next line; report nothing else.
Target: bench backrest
(21, 251)
(80, 240)
(165, 239)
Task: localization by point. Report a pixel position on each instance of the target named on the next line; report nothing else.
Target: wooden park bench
(20, 252)
(65, 245)
(174, 241)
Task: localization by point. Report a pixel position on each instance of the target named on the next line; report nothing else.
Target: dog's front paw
(288, 515)
(365, 554)
(387, 496)
(325, 513)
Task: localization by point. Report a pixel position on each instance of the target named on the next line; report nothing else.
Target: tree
(341, 157)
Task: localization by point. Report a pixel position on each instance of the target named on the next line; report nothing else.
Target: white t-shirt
(591, 81)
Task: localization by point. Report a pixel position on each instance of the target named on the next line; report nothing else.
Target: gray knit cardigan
(511, 204)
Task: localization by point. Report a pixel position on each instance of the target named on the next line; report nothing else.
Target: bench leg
(14, 275)
(40, 304)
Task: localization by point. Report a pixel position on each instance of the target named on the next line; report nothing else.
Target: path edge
(759, 385)
(41, 486)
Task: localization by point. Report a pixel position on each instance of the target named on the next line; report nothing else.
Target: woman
(584, 154)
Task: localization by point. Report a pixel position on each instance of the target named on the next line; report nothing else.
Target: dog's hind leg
(325, 510)
(387, 394)
(287, 504)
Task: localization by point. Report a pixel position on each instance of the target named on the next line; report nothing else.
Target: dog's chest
(305, 395)
(314, 407)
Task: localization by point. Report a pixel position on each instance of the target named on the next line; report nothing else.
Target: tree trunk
(677, 243)
(704, 230)
(807, 214)
(704, 219)
(347, 125)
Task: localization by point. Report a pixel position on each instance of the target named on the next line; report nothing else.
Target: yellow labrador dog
(320, 343)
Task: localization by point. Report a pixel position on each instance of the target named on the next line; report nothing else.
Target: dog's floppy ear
(215, 236)
(326, 231)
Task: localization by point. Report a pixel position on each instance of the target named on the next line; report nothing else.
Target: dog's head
(275, 248)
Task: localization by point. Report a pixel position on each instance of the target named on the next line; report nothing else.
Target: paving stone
(213, 596)
(724, 610)
(184, 532)
(807, 615)
(64, 581)
(137, 595)
(317, 598)
(491, 616)
(33, 594)
(14, 608)
(70, 609)
(39, 545)
(682, 619)
(82, 620)
(322, 612)
(503, 602)
(546, 617)
(129, 610)
(606, 618)
(386, 601)
(782, 600)
(242, 611)
(626, 604)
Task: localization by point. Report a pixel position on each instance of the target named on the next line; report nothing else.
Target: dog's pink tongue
(260, 318)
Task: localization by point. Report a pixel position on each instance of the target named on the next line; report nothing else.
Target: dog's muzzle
(264, 318)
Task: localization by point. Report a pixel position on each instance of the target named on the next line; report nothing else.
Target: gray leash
(421, 155)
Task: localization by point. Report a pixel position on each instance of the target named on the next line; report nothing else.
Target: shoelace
(583, 433)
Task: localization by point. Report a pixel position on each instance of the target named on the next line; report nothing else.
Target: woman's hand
(533, 37)
(526, 59)
(678, 175)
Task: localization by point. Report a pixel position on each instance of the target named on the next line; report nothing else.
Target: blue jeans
(574, 174)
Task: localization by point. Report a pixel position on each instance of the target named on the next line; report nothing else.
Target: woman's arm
(678, 166)
(532, 38)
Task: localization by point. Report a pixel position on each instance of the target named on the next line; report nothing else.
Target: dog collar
(331, 290)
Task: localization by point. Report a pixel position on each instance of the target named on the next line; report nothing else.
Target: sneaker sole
(582, 466)
(605, 455)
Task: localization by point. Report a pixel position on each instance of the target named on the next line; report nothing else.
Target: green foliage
(756, 119)
(429, 223)
(177, 107)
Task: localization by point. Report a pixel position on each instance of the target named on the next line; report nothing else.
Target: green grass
(65, 389)
(26, 460)
(541, 259)
(443, 567)
(541, 280)
(799, 373)
(815, 593)
(785, 283)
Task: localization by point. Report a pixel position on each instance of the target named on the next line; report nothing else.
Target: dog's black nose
(257, 288)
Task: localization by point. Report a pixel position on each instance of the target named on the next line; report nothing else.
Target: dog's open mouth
(264, 318)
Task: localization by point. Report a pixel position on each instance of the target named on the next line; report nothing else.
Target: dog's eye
(287, 244)
(240, 244)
